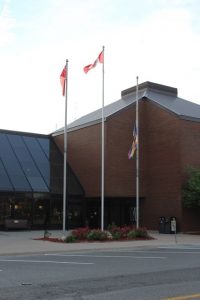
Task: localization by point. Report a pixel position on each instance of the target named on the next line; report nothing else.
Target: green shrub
(112, 226)
(116, 235)
(70, 239)
(137, 233)
(131, 235)
(141, 232)
(96, 235)
(115, 231)
(191, 189)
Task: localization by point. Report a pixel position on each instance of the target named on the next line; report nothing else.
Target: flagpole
(137, 157)
(102, 149)
(65, 153)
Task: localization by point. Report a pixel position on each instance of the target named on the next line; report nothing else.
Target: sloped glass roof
(33, 163)
(24, 166)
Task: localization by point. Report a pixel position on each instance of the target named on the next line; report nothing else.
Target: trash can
(162, 224)
(167, 225)
(173, 225)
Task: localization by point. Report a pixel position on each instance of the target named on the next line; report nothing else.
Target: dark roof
(164, 96)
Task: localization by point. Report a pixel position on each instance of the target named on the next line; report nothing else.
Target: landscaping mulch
(50, 239)
(58, 240)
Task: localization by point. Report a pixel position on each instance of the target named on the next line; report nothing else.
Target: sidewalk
(22, 242)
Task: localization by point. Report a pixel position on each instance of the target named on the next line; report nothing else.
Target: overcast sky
(157, 40)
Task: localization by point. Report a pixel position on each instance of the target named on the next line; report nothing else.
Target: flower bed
(112, 234)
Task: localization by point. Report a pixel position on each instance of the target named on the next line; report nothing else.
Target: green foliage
(131, 235)
(97, 235)
(141, 232)
(114, 233)
(137, 233)
(70, 239)
(191, 190)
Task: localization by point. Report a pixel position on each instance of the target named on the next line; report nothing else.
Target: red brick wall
(84, 157)
(119, 171)
(161, 144)
(190, 156)
(190, 143)
(167, 144)
(159, 160)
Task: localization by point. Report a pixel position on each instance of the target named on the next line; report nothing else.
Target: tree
(191, 190)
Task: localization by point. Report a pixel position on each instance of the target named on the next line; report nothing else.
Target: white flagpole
(102, 149)
(137, 157)
(65, 153)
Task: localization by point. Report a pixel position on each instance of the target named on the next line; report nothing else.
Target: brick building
(31, 165)
(169, 135)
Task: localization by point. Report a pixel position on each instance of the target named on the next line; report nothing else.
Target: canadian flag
(63, 76)
(100, 59)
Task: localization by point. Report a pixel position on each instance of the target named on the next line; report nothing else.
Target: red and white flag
(100, 59)
(63, 76)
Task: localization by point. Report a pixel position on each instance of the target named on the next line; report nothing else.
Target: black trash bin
(167, 225)
(162, 225)
(173, 225)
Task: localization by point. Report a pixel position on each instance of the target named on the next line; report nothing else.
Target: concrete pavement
(23, 242)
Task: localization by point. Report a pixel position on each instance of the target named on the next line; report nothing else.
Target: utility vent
(150, 86)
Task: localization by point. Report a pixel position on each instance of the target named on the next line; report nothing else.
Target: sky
(156, 40)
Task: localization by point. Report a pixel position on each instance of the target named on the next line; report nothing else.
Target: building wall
(165, 149)
(119, 170)
(190, 156)
(84, 157)
(190, 144)
(161, 143)
(159, 161)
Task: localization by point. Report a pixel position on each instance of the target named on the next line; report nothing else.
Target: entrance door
(93, 215)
